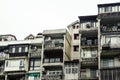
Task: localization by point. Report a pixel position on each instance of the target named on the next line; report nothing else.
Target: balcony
(89, 43)
(112, 74)
(53, 61)
(53, 75)
(108, 16)
(92, 30)
(110, 52)
(35, 53)
(92, 76)
(89, 62)
(110, 49)
(88, 78)
(110, 29)
(54, 44)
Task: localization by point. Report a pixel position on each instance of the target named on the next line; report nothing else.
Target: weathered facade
(88, 50)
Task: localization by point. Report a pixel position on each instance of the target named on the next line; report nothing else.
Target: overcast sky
(24, 17)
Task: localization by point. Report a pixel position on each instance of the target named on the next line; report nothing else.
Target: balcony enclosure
(52, 73)
(110, 45)
(89, 74)
(18, 50)
(110, 28)
(72, 70)
(55, 56)
(89, 41)
(89, 57)
(15, 65)
(35, 64)
(108, 8)
(107, 63)
(35, 51)
(53, 42)
(110, 74)
(88, 25)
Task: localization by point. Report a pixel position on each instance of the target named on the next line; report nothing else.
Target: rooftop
(87, 18)
(108, 4)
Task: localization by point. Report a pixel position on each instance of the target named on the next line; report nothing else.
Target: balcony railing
(52, 60)
(89, 30)
(110, 29)
(53, 75)
(93, 75)
(35, 52)
(111, 46)
(89, 61)
(53, 44)
(89, 42)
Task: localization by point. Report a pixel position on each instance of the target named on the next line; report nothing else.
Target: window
(89, 53)
(76, 48)
(35, 64)
(71, 68)
(107, 63)
(46, 60)
(108, 40)
(93, 73)
(83, 74)
(73, 27)
(68, 70)
(76, 36)
(14, 63)
(57, 60)
(77, 26)
(89, 42)
(74, 70)
(18, 49)
(6, 63)
(114, 9)
(51, 60)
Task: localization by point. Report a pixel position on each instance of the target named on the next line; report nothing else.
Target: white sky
(24, 17)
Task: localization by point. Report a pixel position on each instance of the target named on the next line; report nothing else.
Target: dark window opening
(76, 48)
(76, 36)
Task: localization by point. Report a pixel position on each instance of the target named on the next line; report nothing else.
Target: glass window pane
(37, 63)
(31, 63)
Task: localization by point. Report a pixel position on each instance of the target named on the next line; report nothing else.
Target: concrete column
(42, 55)
(99, 48)
(6, 77)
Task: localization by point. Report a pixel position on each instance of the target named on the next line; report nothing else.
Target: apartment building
(20, 59)
(99, 43)
(109, 41)
(88, 50)
(72, 66)
(56, 51)
(88, 47)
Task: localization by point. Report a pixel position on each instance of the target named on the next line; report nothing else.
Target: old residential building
(88, 47)
(56, 52)
(109, 41)
(88, 50)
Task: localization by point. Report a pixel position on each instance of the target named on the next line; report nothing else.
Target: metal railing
(53, 44)
(35, 52)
